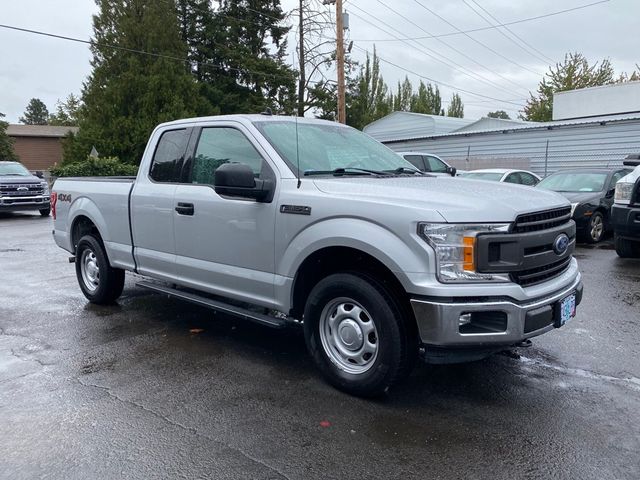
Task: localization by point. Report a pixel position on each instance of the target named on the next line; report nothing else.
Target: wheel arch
(334, 259)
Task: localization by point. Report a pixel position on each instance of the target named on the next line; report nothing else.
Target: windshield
(326, 147)
(483, 176)
(14, 169)
(574, 182)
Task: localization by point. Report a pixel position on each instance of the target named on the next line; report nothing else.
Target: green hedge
(95, 167)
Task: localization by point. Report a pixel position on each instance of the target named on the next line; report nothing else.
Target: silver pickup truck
(286, 221)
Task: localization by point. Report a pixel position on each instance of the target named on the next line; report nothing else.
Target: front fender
(397, 254)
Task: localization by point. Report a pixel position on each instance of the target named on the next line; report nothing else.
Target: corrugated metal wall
(586, 145)
(399, 125)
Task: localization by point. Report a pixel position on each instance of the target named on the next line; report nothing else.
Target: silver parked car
(522, 177)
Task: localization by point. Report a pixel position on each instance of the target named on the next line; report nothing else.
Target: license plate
(566, 310)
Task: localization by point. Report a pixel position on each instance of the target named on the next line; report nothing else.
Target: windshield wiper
(400, 170)
(337, 172)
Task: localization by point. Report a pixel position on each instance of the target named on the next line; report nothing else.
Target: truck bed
(105, 200)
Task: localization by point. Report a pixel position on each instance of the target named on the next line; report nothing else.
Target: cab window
(220, 145)
(435, 164)
(416, 161)
(169, 156)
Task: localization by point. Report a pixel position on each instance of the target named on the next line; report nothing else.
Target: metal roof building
(542, 147)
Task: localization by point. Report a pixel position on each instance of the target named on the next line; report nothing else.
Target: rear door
(152, 206)
(225, 245)
(416, 160)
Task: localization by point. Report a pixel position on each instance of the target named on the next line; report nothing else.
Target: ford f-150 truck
(298, 221)
(21, 191)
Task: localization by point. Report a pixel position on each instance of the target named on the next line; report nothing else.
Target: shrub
(95, 167)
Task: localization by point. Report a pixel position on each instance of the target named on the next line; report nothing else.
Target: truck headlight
(45, 187)
(623, 192)
(455, 247)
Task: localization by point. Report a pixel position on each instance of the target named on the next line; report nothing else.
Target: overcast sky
(483, 64)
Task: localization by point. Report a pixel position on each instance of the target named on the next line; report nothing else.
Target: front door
(152, 206)
(224, 245)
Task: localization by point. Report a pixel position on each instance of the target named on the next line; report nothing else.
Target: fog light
(464, 319)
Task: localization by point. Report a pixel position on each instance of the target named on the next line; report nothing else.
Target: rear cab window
(168, 157)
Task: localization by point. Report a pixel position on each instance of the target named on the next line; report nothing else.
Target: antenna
(297, 153)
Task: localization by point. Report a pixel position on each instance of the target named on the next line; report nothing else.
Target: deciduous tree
(573, 73)
(499, 114)
(456, 107)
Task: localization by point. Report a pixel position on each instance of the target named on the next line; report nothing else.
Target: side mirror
(237, 180)
(452, 171)
(610, 193)
(39, 174)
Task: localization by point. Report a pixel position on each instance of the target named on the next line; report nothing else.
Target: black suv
(590, 191)
(625, 213)
(20, 190)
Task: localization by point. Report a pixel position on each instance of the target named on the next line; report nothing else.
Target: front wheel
(595, 228)
(356, 334)
(99, 282)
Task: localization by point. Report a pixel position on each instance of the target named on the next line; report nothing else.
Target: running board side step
(217, 305)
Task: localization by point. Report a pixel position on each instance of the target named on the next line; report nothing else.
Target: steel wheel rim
(90, 272)
(348, 335)
(597, 227)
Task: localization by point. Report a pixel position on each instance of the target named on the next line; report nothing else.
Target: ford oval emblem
(561, 244)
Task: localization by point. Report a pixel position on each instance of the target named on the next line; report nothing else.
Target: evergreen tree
(456, 107)
(243, 53)
(66, 112)
(129, 93)
(499, 114)
(36, 113)
(6, 143)
(574, 72)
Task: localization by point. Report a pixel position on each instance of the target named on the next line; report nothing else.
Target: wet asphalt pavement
(137, 390)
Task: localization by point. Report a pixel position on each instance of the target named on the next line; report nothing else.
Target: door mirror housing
(452, 171)
(610, 193)
(237, 180)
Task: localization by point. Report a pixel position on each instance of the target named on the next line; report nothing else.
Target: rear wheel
(99, 282)
(45, 212)
(595, 228)
(626, 248)
(356, 334)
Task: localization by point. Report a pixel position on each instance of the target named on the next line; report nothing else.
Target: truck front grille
(540, 274)
(532, 222)
(21, 190)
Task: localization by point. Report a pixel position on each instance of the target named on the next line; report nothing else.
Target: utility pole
(342, 113)
(302, 80)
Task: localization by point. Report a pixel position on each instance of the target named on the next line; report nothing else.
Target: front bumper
(626, 221)
(509, 321)
(36, 202)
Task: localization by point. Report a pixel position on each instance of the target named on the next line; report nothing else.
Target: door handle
(185, 208)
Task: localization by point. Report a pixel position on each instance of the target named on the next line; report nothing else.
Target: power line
(453, 48)
(143, 52)
(424, 50)
(438, 82)
(480, 29)
(476, 40)
(532, 50)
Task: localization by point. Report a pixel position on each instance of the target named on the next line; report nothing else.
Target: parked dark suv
(21, 190)
(590, 191)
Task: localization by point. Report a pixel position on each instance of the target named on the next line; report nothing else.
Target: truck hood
(455, 199)
(13, 179)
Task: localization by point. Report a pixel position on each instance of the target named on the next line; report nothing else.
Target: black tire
(45, 212)
(593, 234)
(108, 281)
(395, 351)
(626, 248)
